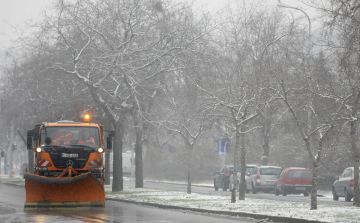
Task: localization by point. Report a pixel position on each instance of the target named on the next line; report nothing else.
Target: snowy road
(12, 200)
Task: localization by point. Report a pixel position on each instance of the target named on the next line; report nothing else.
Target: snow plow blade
(63, 193)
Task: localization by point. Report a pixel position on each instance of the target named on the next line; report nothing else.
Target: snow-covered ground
(324, 213)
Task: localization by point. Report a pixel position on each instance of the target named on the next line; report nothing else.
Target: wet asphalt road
(12, 200)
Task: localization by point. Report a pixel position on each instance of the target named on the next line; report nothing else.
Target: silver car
(344, 185)
(249, 168)
(262, 178)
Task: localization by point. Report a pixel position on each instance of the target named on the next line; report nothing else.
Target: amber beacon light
(86, 118)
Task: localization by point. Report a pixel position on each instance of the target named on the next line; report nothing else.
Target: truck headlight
(38, 149)
(100, 150)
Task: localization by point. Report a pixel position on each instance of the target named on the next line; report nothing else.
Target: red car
(294, 180)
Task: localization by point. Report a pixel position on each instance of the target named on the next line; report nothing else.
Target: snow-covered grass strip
(325, 212)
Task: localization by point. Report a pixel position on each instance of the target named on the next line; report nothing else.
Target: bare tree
(322, 128)
(190, 119)
(341, 21)
(243, 48)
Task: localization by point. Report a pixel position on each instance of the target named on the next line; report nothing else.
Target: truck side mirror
(36, 133)
(109, 142)
(112, 133)
(29, 139)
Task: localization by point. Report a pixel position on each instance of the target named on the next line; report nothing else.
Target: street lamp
(280, 4)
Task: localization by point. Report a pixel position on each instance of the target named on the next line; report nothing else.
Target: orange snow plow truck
(69, 166)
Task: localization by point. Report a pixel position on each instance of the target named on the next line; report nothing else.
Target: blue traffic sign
(223, 146)
(6, 166)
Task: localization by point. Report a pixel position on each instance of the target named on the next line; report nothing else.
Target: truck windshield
(69, 136)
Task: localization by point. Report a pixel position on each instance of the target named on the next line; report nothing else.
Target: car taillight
(258, 175)
(228, 173)
(352, 183)
(94, 163)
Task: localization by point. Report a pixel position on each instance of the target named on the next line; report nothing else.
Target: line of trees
(159, 72)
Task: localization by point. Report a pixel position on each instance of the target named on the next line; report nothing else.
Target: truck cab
(69, 166)
(63, 144)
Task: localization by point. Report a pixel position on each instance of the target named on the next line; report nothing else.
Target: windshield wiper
(87, 147)
(84, 145)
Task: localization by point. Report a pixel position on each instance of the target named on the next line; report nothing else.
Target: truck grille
(77, 162)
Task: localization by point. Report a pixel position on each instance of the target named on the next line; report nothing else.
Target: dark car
(24, 168)
(344, 185)
(294, 180)
(222, 178)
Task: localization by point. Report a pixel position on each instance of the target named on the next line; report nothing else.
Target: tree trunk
(314, 186)
(266, 147)
(107, 167)
(10, 147)
(355, 151)
(107, 181)
(237, 146)
(139, 181)
(189, 169)
(356, 181)
(6, 158)
(243, 165)
(117, 158)
(356, 156)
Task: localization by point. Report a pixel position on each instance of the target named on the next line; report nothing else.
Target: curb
(229, 213)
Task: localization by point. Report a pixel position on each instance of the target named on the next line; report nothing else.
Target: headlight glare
(38, 149)
(100, 150)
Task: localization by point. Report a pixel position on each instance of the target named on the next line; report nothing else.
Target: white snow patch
(324, 213)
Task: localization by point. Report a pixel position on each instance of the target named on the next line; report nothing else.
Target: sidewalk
(252, 208)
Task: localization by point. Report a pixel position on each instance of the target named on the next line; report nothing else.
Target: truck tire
(283, 192)
(216, 188)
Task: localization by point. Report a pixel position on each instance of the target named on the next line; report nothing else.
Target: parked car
(344, 185)
(221, 179)
(249, 168)
(262, 178)
(24, 168)
(294, 180)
